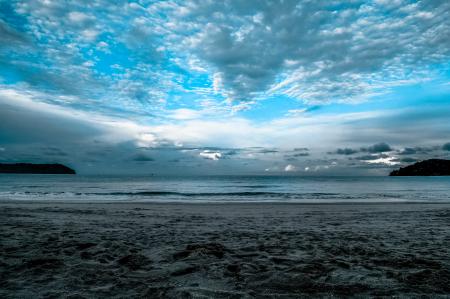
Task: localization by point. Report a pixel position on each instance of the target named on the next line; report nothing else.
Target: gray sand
(223, 251)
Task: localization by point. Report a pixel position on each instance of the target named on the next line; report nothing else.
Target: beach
(233, 250)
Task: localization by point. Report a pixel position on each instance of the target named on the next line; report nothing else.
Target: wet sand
(70, 250)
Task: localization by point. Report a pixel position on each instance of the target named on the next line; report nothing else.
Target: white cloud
(195, 65)
(103, 46)
(90, 34)
(77, 17)
(384, 160)
(211, 155)
(217, 83)
(290, 168)
(184, 114)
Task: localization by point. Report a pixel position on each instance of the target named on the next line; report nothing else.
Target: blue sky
(225, 87)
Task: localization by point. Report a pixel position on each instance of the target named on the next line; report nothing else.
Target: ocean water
(225, 189)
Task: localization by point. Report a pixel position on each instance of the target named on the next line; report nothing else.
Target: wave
(241, 196)
(212, 195)
(173, 193)
(216, 194)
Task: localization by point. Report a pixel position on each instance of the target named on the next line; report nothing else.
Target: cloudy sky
(225, 87)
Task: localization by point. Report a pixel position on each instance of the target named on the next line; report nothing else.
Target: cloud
(142, 158)
(79, 17)
(371, 157)
(377, 159)
(10, 36)
(54, 151)
(346, 151)
(132, 57)
(301, 155)
(211, 155)
(446, 147)
(290, 168)
(417, 150)
(26, 118)
(268, 151)
(378, 148)
(290, 47)
(184, 113)
(408, 160)
(93, 142)
(408, 151)
(70, 49)
(23, 121)
(384, 160)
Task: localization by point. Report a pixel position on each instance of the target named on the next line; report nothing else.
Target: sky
(225, 87)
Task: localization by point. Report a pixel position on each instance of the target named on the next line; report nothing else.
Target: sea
(224, 189)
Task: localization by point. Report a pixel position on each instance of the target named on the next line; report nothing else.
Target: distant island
(431, 167)
(35, 168)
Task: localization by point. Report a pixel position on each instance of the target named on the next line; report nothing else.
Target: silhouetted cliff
(36, 168)
(425, 168)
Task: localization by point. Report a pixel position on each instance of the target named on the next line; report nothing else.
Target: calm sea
(225, 188)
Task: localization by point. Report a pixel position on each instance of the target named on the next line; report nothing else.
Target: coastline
(232, 250)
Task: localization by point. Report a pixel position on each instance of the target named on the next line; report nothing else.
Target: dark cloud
(370, 157)
(416, 150)
(446, 147)
(408, 160)
(408, 151)
(11, 37)
(228, 153)
(296, 153)
(144, 42)
(25, 125)
(377, 148)
(301, 155)
(54, 151)
(425, 124)
(143, 158)
(345, 151)
(268, 151)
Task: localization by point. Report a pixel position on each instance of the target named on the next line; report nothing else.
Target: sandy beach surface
(148, 250)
